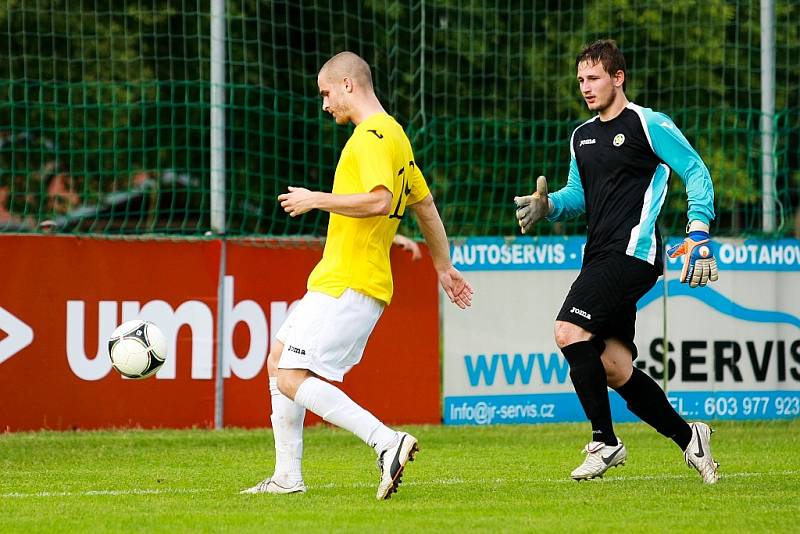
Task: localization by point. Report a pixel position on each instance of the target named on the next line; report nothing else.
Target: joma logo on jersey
(580, 312)
(587, 142)
(302, 352)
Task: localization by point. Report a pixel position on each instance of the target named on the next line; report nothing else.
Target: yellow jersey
(356, 254)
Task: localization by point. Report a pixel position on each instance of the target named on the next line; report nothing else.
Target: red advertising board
(398, 379)
(60, 297)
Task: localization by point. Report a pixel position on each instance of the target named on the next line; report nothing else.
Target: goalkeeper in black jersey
(620, 164)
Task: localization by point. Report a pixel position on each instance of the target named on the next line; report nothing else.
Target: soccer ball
(137, 349)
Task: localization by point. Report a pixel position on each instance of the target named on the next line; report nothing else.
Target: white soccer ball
(137, 349)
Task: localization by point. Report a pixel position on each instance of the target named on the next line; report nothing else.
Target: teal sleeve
(568, 201)
(671, 146)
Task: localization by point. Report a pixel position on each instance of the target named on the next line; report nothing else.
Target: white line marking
(441, 482)
(101, 492)
(565, 480)
(722, 475)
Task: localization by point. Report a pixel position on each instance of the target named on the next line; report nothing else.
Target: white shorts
(327, 335)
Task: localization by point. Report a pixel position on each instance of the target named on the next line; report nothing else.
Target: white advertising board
(733, 347)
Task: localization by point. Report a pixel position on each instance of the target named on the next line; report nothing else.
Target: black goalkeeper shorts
(603, 298)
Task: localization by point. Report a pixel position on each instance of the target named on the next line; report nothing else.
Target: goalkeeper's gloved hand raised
(699, 265)
(533, 208)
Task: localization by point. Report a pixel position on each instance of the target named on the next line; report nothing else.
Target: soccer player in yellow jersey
(376, 181)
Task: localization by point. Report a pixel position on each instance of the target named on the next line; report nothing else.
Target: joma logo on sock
(302, 352)
(576, 311)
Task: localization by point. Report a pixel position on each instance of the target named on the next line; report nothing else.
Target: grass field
(495, 479)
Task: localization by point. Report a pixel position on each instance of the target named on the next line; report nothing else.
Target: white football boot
(698, 453)
(269, 485)
(392, 461)
(599, 458)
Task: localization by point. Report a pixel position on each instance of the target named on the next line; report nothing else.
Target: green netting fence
(105, 106)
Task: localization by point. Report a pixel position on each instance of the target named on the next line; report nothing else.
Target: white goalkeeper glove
(533, 208)
(699, 264)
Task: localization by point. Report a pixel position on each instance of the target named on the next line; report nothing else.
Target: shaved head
(348, 65)
(345, 85)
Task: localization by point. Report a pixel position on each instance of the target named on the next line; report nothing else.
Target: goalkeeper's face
(598, 88)
(334, 98)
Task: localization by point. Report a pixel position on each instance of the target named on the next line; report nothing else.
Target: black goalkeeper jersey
(619, 173)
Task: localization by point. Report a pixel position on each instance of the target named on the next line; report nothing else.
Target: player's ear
(348, 84)
(619, 78)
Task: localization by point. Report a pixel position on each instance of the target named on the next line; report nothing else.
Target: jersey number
(405, 191)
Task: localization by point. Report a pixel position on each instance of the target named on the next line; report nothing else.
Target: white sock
(331, 403)
(287, 428)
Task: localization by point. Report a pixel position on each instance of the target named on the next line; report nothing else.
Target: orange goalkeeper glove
(699, 264)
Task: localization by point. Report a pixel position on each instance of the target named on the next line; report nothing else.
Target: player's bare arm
(409, 245)
(300, 200)
(458, 290)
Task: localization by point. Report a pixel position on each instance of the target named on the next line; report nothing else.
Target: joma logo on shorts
(576, 311)
(302, 352)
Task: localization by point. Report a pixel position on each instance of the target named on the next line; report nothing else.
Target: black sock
(650, 404)
(589, 378)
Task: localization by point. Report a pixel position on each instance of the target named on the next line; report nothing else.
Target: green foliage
(117, 90)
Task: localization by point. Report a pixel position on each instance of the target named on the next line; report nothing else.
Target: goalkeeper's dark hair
(604, 51)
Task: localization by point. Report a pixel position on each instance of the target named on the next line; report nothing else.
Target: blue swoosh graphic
(718, 301)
